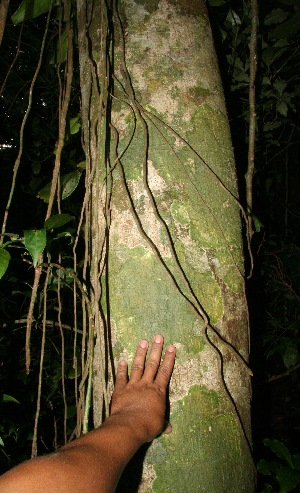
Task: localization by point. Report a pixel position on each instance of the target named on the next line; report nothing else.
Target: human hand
(141, 401)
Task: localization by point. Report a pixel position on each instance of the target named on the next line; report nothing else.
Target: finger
(122, 375)
(153, 360)
(165, 370)
(138, 363)
(168, 428)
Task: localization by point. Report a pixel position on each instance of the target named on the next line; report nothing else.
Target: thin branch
(38, 401)
(37, 276)
(63, 388)
(252, 113)
(61, 139)
(49, 323)
(18, 51)
(18, 159)
(284, 374)
(64, 101)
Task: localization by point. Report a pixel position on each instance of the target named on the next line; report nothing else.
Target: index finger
(165, 370)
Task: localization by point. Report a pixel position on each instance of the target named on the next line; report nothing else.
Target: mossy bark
(175, 261)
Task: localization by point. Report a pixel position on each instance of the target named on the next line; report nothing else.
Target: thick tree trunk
(167, 194)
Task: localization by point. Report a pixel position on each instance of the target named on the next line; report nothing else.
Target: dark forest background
(273, 290)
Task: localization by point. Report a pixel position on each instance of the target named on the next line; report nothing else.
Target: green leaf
(72, 411)
(288, 479)
(233, 18)
(279, 449)
(266, 81)
(280, 86)
(267, 488)
(44, 193)
(296, 461)
(81, 165)
(75, 125)
(271, 126)
(57, 221)
(4, 261)
(263, 467)
(35, 242)
(1, 442)
(9, 398)
(276, 17)
(282, 108)
(71, 373)
(287, 28)
(66, 234)
(69, 183)
(29, 9)
(281, 43)
(258, 225)
(60, 53)
(291, 355)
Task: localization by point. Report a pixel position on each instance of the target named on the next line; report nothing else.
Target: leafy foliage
(275, 329)
(29, 9)
(282, 273)
(32, 236)
(286, 469)
(4, 261)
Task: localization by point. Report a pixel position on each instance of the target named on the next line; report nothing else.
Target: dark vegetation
(274, 288)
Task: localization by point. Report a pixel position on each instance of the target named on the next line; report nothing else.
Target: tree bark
(165, 186)
(4, 5)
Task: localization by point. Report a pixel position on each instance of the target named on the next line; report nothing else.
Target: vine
(18, 159)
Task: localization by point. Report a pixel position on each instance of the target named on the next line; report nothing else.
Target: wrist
(130, 427)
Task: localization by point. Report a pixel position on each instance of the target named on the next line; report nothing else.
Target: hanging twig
(63, 388)
(18, 51)
(283, 375)
(18, 159)
(37, 275)
(64, 100)
(38, 401)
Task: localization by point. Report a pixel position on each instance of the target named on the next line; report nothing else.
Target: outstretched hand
(95, 461)
(142, 399)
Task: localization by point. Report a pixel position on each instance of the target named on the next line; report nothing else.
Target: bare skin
(94, 462)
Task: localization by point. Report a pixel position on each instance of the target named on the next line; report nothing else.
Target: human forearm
(94, 462)
(97, 456)
(91, 464)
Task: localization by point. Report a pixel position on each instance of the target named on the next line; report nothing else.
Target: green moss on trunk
(212, 455)
(181, 184)
(175, 241)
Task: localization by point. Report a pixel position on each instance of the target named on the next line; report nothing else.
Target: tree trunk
(4, 4)
(163, 198)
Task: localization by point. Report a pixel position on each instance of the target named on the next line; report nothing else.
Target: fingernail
(143, 344)
(171, 349)
(158, 338)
